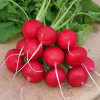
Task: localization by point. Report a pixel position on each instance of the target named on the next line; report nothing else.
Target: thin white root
(23, 86)
(87, 85)
(69, 50)
(40, 45)
(31, 66)
(96, 73)
(6, 60)
(59, 82)
(17, 66)
(91, 77)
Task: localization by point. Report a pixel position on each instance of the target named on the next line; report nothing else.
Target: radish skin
(47, 35)
(30, 28)
(52, 55)
(65, 37)
(31, 46)
(76, 56)
(77, 76)
(12, 61)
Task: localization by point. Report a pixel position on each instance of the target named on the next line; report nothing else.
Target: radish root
(96, 73)
(87, 85)
(31, 66)
(17, 66)
(23, 86)
(59, 82)
(7, 59)
(69, 50)
(91, 77)
(40, 45)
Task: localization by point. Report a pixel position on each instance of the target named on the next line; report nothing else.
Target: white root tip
(31, 66)
(23, 86)
(91, 77)
(87, 85)
(96, 73)
(69, 50)
(40, 45)
(17, 66)
(59, 82)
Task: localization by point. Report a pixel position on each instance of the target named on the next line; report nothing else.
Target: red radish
(32, 75)
(84, 66)
(76, 56)
(47, 35)
(53, 55)
(21, 44)
(36, 52)
(12, 61)
(51, 79)
(77, 76)
(30, 47)
(67, 37)
(30, 28)
(55, 77)
(89, 63)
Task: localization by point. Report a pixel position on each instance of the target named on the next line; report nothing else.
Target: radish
(76, 56)
(36, 52)
(84, 66)
(53, 55)
(77, 76)
(34, 76)
(21, 44)
(31, 75)
(67, 37)
(47, 35)
(12, 61)
(30, 28)
(89, 63)
(30, 47)
(51, 79)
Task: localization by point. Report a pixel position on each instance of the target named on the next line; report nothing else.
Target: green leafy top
(60, 14)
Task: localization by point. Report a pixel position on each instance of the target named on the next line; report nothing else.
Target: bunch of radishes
(36, 36)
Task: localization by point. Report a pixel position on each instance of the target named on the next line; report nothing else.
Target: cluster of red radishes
(36, 36)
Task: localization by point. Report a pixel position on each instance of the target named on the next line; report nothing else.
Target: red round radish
(33, 75)
(77, 76)
(30, 28)
(66, 37)
(30, 47)
(47, 35)
(53, 55)
(21, 44)
(12, 59)
(89, 63)
(51, 79)
(76, 56)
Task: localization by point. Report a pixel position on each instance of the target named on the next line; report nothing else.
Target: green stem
(16, 4)
(56, 4)
(58, 22)
(85, 14)
(41, 10)
(59, 13)
(46, 66)
(44, 12)
(62, 25)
